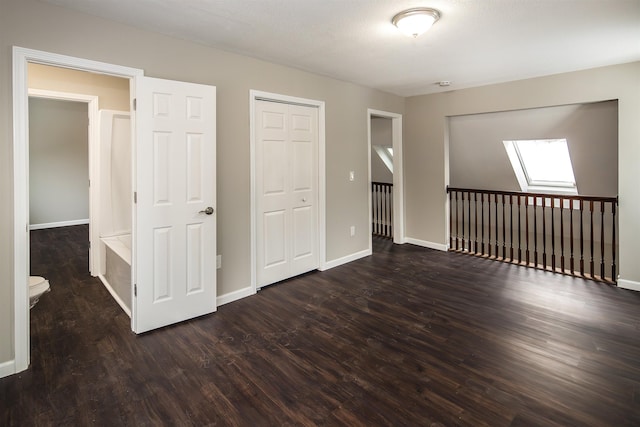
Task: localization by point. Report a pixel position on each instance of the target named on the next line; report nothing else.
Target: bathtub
(116, 269)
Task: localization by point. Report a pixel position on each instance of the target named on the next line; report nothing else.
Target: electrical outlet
(219, 261)
(352, 175)
(353, 230)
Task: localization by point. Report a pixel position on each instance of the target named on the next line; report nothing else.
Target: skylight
(386, 155)
(542, 165)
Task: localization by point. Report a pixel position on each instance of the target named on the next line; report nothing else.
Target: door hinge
(135, 290)
(135, 104)
(135, 197)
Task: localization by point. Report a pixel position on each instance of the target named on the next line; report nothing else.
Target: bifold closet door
(286, 190)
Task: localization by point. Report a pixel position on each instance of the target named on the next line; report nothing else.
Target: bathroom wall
(58, 162)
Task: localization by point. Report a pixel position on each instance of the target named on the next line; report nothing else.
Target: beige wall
(478, 159)
(112, 92)
(58, 161)
(426, 144)
(36, 25)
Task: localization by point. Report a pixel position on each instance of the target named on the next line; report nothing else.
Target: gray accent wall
(478, 159)
(58, 161)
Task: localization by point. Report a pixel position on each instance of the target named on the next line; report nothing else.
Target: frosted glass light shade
(414, 22)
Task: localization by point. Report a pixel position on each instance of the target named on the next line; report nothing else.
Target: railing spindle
(571, 238)
(475, 221)
(544, 234)
(613, 242)
(535, 230)
(469, 216)
(519, 231)
(390, 212)
(463, 221)
(387, 211)
(581, 238)
(553, 238)
(482, 220)
(451, 219)
(602, 273)
(504, 234)
(511, 227)
(496, 211)
(591, 238)
(526, 213)
(457, 234)
(561, 235)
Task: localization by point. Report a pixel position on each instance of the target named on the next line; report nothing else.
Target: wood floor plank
(408, 336)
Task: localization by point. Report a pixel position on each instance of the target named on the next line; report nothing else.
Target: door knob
(304, 199)
(207, 211)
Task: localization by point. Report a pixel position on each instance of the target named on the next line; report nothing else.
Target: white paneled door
(175, 219)
(286, 190)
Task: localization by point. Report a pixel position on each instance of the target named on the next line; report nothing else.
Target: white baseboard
(58, 224)
(425, 244)
(345, 259)
(235, 296)
(115, 295)
(629, 284)
(7, 368)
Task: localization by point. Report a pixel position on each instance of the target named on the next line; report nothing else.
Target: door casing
(94, 178)
(255, 96)
(21, 58)
(399, 235)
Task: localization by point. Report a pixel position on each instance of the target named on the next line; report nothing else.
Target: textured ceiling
(475, 42)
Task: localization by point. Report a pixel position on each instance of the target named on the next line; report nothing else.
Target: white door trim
(399, 236)
(94, 158)
(20, 273)
(254, 96)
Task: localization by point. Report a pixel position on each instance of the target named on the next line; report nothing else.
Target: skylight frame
(527, 183)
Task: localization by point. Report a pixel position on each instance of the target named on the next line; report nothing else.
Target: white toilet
(37, 286)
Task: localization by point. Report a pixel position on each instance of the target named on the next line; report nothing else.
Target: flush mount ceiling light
(416, 21)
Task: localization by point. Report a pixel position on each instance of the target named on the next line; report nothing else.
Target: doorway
(21, 60)
(188, 115)
(58, 161)
(287, 201)
(381, 178)
(80, 166)
(386, 195)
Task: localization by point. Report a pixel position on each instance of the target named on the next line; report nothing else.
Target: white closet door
(175, 221)
(286, 190)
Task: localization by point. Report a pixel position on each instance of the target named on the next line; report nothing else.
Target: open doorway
(80, 169)
(386, 213)
(381, 178)
(166, 111)
(22, 60)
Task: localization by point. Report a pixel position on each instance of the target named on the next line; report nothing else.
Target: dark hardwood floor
(406, 337)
